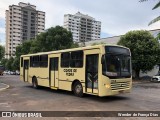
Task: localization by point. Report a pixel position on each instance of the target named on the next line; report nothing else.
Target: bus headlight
(108, 86)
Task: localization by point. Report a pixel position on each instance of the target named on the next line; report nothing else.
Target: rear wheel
(78, 89)
(34, 83)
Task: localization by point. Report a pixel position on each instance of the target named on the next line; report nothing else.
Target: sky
(117, 16)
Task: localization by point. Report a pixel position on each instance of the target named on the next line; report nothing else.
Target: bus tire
(34, 82)
(78, 89)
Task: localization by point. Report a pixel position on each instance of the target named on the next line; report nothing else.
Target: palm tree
(155, 7)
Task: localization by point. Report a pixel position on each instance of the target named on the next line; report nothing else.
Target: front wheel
(78, 89)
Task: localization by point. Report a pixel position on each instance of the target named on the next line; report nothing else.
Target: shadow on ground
(86, 96)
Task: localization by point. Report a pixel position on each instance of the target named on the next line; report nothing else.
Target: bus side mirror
(103, 59)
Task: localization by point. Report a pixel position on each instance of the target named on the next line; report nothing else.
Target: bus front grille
(120, 85)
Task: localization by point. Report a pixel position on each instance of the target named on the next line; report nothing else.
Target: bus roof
(72, 49)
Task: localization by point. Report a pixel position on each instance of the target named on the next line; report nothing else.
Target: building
(83, 27)
(115, 39)
(23, 22)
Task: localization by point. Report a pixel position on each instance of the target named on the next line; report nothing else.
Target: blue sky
(117, 16)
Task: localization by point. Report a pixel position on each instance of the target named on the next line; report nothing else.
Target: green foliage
(24, 48)
(74, 45)
(3, 62)
(158, 36)
(154, 20)
(9, 64)
(53, 39)
(2, 51)
(156, 6)
(144, 48)
(56, 38)
(16, 63)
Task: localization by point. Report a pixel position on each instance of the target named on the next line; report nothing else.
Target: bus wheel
(34, 82)
(78, 89)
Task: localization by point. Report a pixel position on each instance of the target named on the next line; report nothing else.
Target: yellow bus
(101, 70)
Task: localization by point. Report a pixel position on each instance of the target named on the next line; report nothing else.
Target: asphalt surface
(21, 96)
(2, 86)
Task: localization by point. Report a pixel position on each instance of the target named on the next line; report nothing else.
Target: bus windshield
(117, 63)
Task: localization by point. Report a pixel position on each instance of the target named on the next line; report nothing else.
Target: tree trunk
(137, 74)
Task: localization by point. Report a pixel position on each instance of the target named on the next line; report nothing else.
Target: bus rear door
(25, 70)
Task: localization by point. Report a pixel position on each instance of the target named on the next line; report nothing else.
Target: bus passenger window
(35, 61)
(65, 58)
(76, 59)
(44, 61)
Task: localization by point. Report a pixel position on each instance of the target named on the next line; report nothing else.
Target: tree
(2, 51)
(158, 36)
(53, 39)
(74, 45)
(3, 62)
(24, 48)
(9, 64)
(16, 63)
(155, 7)
(56, 38)
(144, 49)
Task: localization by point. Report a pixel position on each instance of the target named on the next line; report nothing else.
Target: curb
(7, 86)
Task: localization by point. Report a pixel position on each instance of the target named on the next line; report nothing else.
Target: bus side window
(35, 61)
(44, 61)
(65, 58)
(76, 59)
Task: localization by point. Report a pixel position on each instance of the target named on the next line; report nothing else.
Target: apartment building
(83, 27)
(23, 22)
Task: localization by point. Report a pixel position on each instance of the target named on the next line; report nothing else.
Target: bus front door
(25, 70)
(92, 73)
(53, 72)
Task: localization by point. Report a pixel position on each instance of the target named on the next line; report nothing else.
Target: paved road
(21, 96)
(3, 86)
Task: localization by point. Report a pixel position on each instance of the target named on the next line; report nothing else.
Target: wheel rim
(78, 89)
